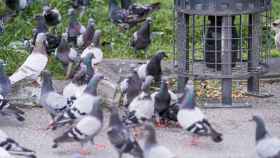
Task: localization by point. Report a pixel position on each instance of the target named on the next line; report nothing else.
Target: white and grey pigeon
(276, 28)
(83, 106)
(67, 55)
(52, 15)
(35, 63)
(86, 38)
(53, 102)
(151, 147)
(5, 89)
(266, 145)
(163, 100)
(141, 109)
(80, 79)
(95, 49)
(130, 87)
(121, 136)
(152, 67)
(13, 147)
(192, 119)
(75, 28)
(84, 131)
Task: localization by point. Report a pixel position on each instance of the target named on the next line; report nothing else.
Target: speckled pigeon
(153, 67)
(13, 147)
(86, 38)
(266, 145)
(85, 130)
(151, 147)
(35, 62)
(75, 28)
(83, 106)
(121, 136)
(192, 119)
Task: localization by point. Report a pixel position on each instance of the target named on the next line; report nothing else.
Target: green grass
(21, 27)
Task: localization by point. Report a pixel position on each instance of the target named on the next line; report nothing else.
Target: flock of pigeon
(79, 108)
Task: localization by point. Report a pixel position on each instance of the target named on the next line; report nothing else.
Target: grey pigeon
(5, 89)
(152, 67)
(80, 79)
(13, 147)
(85, 130)
(141, 109)
(151, 148)
(142, 38)
(75, 28)
(276, 28)
(53, 102)
(84, 105)
(121, 137)
(86, 38)
(266, 145)
(192, 119)
(66, 55)
(130, 87)
(51, 15)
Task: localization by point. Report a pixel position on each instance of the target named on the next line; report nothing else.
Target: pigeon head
(261, 131)
(91, 22)
(147, 83)
(188, 99)
(160, 55)
(276, 25)
(149, 20)
(96, 38)
(92, 85)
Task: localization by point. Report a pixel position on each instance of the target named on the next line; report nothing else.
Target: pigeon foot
(100, 146)
(84, 152)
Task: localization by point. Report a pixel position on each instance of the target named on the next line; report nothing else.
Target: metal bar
(182, 44)
(226, 60)
(253, 52)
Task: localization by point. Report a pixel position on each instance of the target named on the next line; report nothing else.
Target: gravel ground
(238, 133)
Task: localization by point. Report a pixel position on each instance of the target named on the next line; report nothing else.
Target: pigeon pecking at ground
(142, 38)
(35, 62)
(84, 105)
(152, 67)
(151, 147)
(53, 102)
(266, 145)
(192, 119)
(13, 147)
(84, 131)
(121, 136)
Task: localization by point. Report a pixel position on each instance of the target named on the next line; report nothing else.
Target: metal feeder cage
(222, 40)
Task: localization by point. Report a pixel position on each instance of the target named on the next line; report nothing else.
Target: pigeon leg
(35, 83)
(84, 152)
(100, 146)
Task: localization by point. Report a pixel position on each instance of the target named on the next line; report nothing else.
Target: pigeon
(84, 131)
(125, 4)
(151, 147)
(153, 67)
(53, 102)
(142, 38)
(192, 119)
(5, 154)
(276, 28)
(130, 87)
(121, 17)
(13, 147)
(143, 10)
(162, 100)
(82, 5)
(86, 38)
(35, 62)
(266, 145)
(121, 137)
(5, 89)
(51, 15)
(66, 55)
(80, 80)
(141, 109)
(41, 27)
(83, 106)
(17, 4)
(94, 48)
(75, 28)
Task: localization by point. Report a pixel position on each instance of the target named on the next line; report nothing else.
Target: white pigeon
(151, 147)
(266, 145)
(192, 119)
(142, 108)
(35, 62)
(5, 154)
(276, 28)
(95, 49)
